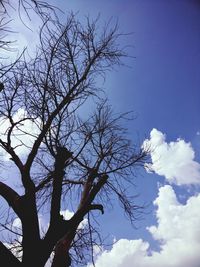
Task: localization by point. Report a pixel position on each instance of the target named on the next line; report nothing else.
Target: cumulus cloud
(124, 253)
(174, 160)
(23, 135)
(177, 233)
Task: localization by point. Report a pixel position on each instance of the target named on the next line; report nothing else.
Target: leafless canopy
(77, 159)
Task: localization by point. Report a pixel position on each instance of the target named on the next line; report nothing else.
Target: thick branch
(60, 162)
(94, 191)
(11, 197)
(14, 156)
(88, 185)
(96, 207)
(26, 180)
(61, 257)
(25, 208)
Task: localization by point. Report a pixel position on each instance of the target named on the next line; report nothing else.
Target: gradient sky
(161, 87)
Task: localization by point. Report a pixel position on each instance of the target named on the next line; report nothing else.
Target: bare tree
(72, 158)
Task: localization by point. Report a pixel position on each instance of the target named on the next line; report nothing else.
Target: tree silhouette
(72, 158)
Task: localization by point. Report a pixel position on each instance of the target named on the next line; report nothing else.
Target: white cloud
(124, 253)
(174, 217)
(67, 214)
(177, 232)
(23, 135)
(174, 160)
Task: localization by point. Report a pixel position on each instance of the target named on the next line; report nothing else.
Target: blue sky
(161, 87)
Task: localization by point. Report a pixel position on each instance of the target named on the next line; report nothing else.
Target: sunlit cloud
(177, 233)
(174, 160)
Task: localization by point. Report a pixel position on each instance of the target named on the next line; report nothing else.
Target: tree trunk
(61, 258)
